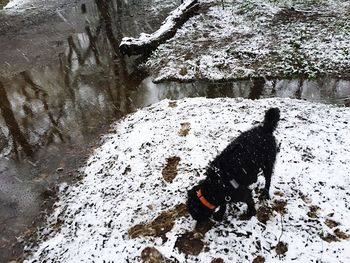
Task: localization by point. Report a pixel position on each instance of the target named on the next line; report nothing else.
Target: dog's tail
(272, 116)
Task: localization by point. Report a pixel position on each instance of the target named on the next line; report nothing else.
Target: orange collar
(205, 201)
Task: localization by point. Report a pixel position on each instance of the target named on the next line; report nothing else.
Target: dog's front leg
(251, 211)
(267, 173)
(218, 215)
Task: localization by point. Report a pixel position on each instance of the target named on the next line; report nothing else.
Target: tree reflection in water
(88, 88)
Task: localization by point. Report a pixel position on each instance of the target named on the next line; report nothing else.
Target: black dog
(237, 167)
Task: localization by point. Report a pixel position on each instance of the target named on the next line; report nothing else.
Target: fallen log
(146, 43)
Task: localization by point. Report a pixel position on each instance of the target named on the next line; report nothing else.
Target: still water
(52, 116)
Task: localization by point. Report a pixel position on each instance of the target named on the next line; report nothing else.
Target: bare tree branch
(146, 43)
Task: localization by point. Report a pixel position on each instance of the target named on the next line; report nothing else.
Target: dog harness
(232, 182)
(205, 201)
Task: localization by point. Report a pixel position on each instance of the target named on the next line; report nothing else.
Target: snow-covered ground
(18, 4)
(250, 38)
(124, 187)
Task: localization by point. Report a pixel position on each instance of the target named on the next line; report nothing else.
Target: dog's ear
(195, 207)
(272, 116)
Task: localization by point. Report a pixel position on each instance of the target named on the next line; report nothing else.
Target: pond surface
(52, 115)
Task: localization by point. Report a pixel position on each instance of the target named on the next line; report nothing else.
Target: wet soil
(259, 259)
(152, 255)
(337, 236)
(172, 104)
(331, 223)
(263, 214)
(281, 248)
(191, 243)
(329, 238)
(313, 211)
(161, 225)
(279, 206)
(169, 171)
(340, 234)
(217, 260)
(185, 129)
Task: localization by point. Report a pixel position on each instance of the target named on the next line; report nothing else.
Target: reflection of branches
(299, 91)
(92, 45)
(66, 76)
(42, 95)
(125, 82)
(3, 141)
(257, 89)
(328, 88)
(70, 56)
(12, 124)
(273, 91)
(119, 66)
(26, 108)
(82, 57)
(74, 48)
(119, 90)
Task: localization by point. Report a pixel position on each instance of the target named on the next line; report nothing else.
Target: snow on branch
(149, 42)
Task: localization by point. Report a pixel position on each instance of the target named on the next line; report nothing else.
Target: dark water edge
(51, 117)
(326, 90)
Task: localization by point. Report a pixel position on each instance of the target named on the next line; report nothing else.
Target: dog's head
(272, 116)
(195, 207)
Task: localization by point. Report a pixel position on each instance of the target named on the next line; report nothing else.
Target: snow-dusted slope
(124, 186)
(19, 4)
(250, 38)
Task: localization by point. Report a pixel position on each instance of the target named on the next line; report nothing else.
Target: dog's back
(249, 152)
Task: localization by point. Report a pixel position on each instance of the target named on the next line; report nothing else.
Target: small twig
(261, 246)
(279, 239)
(322, 244)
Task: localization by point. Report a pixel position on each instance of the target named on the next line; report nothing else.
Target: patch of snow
(16, 4)
(123, 185)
